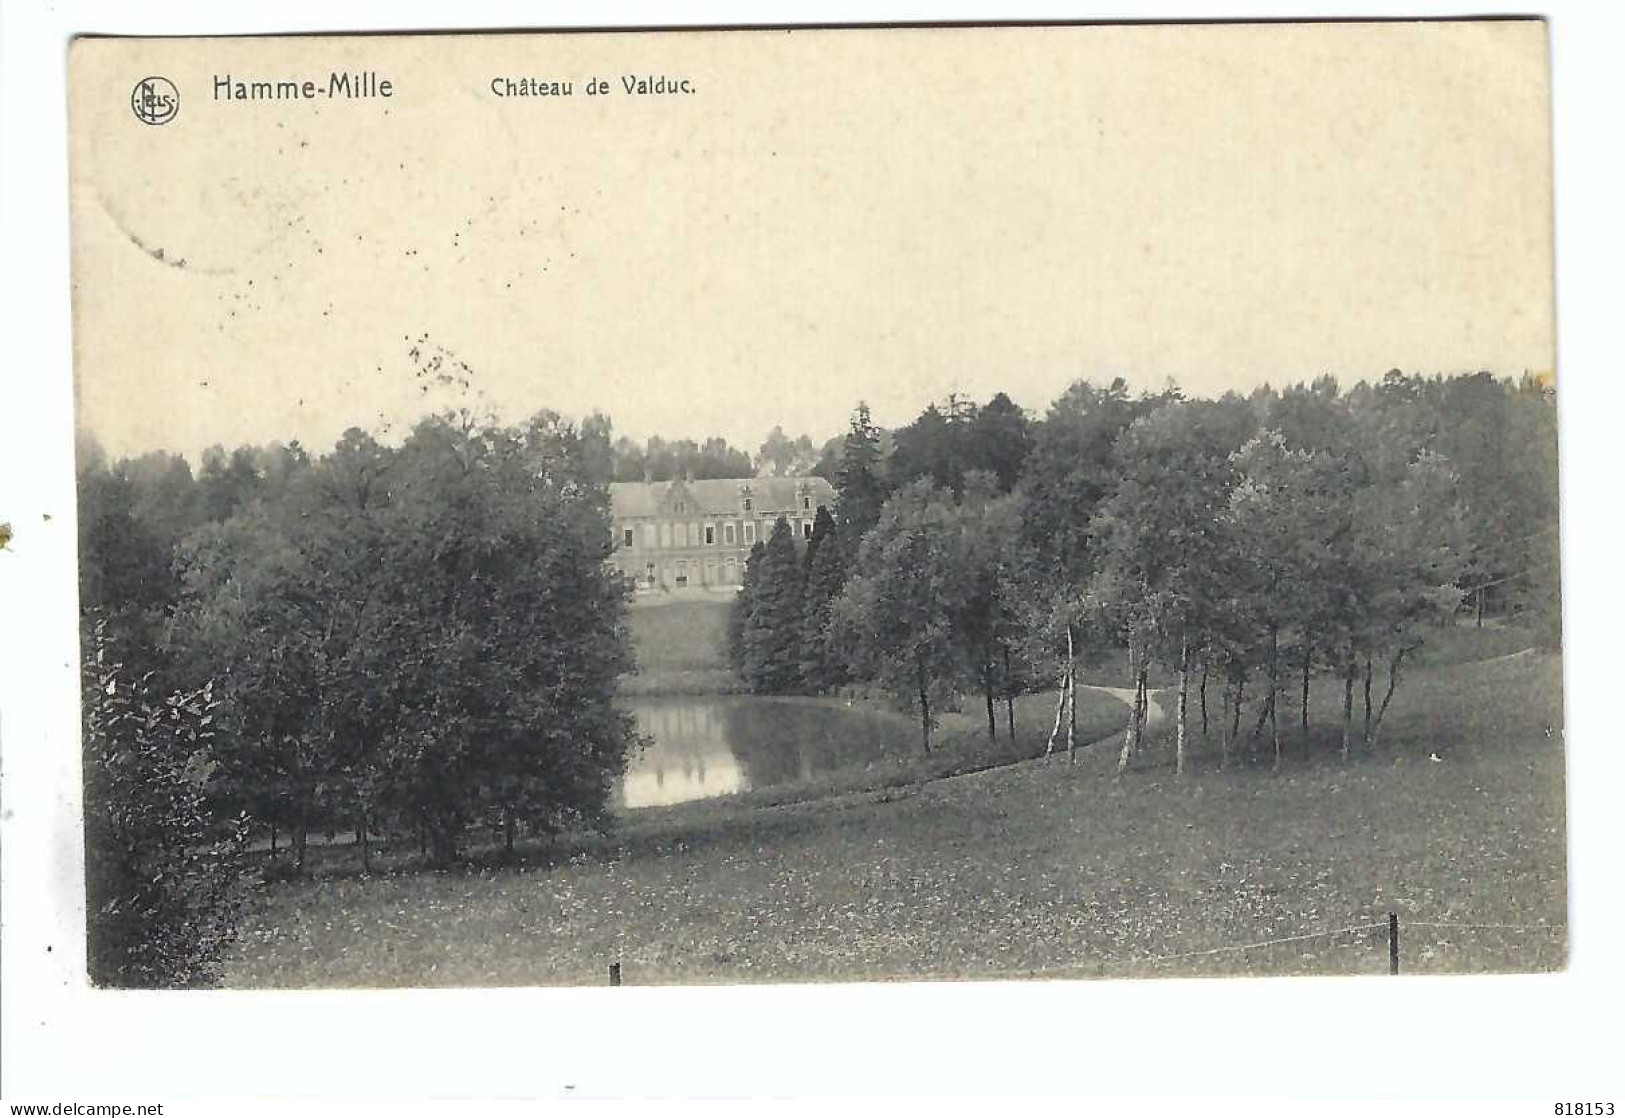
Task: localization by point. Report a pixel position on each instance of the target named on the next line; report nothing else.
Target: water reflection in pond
(715, 745)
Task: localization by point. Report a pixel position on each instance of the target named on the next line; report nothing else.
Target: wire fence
(1392, 926)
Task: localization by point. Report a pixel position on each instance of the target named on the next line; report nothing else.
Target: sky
(829, 216)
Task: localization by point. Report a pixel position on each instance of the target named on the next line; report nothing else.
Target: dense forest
(421, 639)
(1245, 545)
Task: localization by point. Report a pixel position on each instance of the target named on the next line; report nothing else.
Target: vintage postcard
(825, 504)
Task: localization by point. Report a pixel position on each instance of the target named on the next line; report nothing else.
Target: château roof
(720, 497)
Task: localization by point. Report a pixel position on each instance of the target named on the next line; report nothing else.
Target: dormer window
(806, 503)
(745, 497)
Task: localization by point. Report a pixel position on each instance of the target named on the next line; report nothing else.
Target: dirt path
(1153, 710)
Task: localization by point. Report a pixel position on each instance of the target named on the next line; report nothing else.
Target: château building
(689, 534)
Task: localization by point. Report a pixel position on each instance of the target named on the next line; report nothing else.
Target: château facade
(684, 534)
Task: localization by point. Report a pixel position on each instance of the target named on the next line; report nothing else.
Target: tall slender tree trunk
(361, 836)
(1060, 712)
(1275, 690)
(507, 831)
(1184, 697)
(1009, 698)
(992, 716)
(1308, 662)
(1224, 726)
(1235, 711)
(1134, 712)
(1393, 682)
(1275, 735)
(1071, 698)
(1366, 736)
(1264, 712)
(1202, 693)
(301, 840)
(925, 707)
(1072, 713)
(1142, 700)
(273, 842)
(1480, 597)
(1348, 708)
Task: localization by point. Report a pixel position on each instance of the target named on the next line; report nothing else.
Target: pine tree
(825, 569)
(739, 625)
(773, 628)
(860, 489)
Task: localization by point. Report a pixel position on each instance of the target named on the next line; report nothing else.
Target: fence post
(614, 974)
(1393, 943)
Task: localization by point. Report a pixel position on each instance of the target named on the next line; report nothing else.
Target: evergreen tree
(1000, 438)
(821, 669)
(774, 629)
(860, 489)
(739, 611)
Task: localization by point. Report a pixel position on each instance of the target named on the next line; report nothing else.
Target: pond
(716, 745)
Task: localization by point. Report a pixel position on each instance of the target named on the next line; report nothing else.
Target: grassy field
(1035, 869)
(681, 648)
(680, 635)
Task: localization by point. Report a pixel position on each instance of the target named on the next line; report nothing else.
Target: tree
(773, 631)
(1162, 543)
(739, 610)
(1069, 472)
(782, 456)
(1278, 517)
(226, 485)
(1000, 438)
(990, 563)
(500, 635)
(821, 667)
(860, 489)
(1406, 560)
(257, 611)
(422, 637)
(895, 618)
(163, 879)
(124, 569)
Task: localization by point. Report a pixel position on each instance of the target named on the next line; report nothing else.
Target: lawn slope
(1039, 869)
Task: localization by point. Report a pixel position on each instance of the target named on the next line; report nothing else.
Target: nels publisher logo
(155, 100)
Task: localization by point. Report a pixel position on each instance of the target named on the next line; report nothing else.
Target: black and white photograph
(652, 561)
(733, 547)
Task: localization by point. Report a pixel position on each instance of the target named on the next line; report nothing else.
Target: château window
(806, 504)
(806, 529)
(747, 504)
(710, 535)
(750, 531)
(626, 537)
(728, 534)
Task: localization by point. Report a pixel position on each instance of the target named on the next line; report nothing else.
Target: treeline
(403, 641)
(660, 459)
(1249, 545)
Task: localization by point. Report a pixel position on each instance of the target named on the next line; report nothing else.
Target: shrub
(163, 881)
